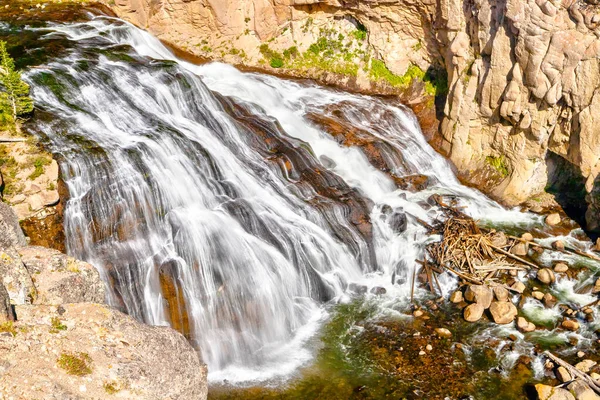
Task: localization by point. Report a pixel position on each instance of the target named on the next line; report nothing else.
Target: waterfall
(220, 203)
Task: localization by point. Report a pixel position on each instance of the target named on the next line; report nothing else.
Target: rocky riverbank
(58, 339)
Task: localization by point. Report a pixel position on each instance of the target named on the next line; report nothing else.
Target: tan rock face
(117, 356)
(523, 74)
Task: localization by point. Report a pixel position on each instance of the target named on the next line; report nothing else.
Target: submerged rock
(378, 290)
(398, 221)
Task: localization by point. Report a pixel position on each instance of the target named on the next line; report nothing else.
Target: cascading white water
(166, 179)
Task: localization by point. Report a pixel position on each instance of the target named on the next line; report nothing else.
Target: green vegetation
(436, 84)
(8, 327)
(78, 364)
(111, 387)
(14, 93)
(39, 163)
(499, 164)
(57, 325)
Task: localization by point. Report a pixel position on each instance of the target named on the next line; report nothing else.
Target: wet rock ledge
(58, 340)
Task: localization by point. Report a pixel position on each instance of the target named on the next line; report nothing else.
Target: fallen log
(574, 371)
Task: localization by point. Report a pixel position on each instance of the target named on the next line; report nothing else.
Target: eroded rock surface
(111, 354)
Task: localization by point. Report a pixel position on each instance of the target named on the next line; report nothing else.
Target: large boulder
(60, 279)
(546, 392)
(15, 277)
(11, 233)
(90, 351)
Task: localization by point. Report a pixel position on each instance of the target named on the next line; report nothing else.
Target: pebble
(546, 275)
(570, 325)
(527, 236)
(580, 354)
(524, 325)
(457, 297)
(429, 347)
(422, 353)
(418, 313)
(536, 294)
(558, 245)
(561, 267)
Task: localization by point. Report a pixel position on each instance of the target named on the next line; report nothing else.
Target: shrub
(77, 364)
(276, 62)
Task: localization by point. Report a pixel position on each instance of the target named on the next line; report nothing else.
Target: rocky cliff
(58, 340)
(520, 111)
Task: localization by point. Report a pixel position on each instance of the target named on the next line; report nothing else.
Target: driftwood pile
(472, 253)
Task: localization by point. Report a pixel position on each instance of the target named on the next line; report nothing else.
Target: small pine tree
(15, 92)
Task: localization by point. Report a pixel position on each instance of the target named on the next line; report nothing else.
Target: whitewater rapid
(175, 171)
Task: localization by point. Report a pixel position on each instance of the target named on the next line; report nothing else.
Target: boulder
(15, 277)
(11, 233)
(457, 297)
(398, 222)
(501, 293)
(546, 276)
(561, 267)
(480, 294)
(524, 325)
(61, 279)
(378, 290)
(473, 312)
(570, 325)
(585, 365)
(499, 239)
(549, 300)
(520, 249)
(582, 391)
(553, 219)
(545, 392)
(536, 294)
(518, 287)
(563, 375)
(90, 351)
(503, 312)
(357, 288)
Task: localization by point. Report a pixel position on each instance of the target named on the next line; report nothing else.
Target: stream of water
(218, 202)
